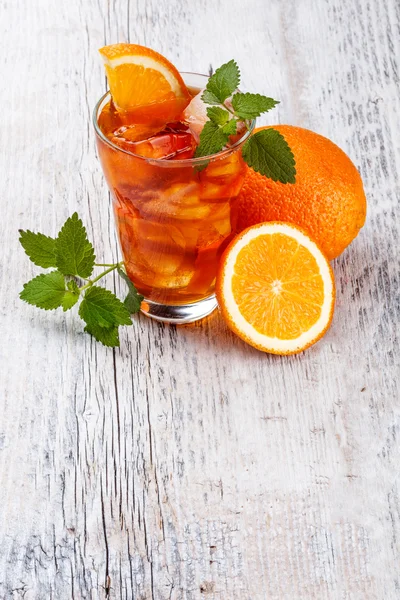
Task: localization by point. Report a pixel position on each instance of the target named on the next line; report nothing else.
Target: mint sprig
(73, 255)
(266, 151)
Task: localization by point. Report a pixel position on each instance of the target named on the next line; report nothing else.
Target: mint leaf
(133, 300)
(222, 84)
(108, 336)
(268, 153)
(101, 308)
(230, 127)
(218, 115)
(40, 248)
(250, 106)
(212, 139)
(71, 296)
(48, 291)
(45, 291)
(69, 300)
(73, 287)
(209, 98)
(74, 252)
(200, 167)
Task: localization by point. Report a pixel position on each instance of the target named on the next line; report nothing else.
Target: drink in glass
(174, 213)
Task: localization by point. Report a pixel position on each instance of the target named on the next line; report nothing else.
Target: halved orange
(144, 83)
(275, 288)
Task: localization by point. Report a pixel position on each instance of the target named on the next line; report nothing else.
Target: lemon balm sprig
(265, 151)
(72, 257)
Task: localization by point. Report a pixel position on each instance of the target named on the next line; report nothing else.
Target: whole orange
(327, 200)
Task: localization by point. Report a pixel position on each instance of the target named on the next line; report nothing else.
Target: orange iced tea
(175, 214)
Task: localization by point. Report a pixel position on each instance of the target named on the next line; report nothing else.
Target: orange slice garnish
(144, 83)
(275, 288)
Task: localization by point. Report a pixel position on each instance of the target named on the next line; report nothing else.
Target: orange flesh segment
(144, 83)
(277, 286)
(126, 84)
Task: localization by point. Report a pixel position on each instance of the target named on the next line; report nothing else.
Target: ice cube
(160, 236)
(163, 145)
(162, 278)
(211, 192)
(177, 281)
(161, 211)
(223, 169)
(195, 115)
(137, 132)
(183, 193)
(180, 201)
(176, 127)
(220, 211)
(216, 227)
(218, 189)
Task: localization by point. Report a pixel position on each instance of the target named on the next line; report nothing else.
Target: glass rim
(171, 162)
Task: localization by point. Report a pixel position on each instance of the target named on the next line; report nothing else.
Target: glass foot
(181, 313)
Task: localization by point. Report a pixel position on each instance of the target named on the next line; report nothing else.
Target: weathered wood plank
(186, 464)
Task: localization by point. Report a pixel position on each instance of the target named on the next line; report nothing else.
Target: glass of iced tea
(174, 213)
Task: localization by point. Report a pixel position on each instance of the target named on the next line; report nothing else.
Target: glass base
(178, 314)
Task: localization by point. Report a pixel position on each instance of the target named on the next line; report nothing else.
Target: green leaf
(101, 308)
(212, 139)
(75, 254)
(209, 98)
(268, 153)
(40, 248)
(69, 300)
(133, 299)
(73, 287)
(108, 336)
(45, 291)
(218, 115)
(200, 167)
(230, 127)
(250, 106)
(222, 84)
(71, 296)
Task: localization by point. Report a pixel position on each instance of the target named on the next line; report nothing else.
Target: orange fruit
(327, 200)
(144, 83)
(275, 288)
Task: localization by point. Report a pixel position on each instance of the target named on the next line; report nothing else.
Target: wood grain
(186, 465)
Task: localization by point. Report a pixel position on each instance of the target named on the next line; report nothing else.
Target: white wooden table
(185, 464)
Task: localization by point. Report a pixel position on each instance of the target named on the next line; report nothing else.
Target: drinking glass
(174, 219)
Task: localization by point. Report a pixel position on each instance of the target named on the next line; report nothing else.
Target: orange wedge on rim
(275, 288)
(144, 83)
